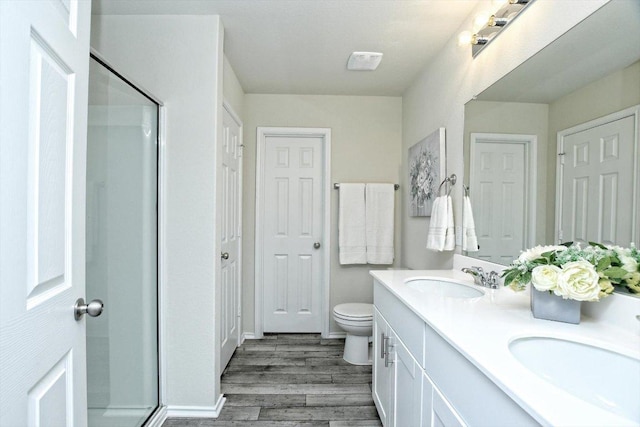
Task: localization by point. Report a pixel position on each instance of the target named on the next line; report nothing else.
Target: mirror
(512, 129)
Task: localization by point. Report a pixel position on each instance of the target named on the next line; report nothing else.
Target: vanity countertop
(482, 328)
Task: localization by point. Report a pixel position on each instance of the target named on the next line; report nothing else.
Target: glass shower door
(121, 251)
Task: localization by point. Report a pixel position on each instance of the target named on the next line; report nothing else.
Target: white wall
(438, 95)
(232, 90)
(184, 73)
(365, 140)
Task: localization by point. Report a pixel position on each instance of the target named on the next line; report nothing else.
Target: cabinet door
(408, 387)
(443, 413)
(382, 376)
(427, 400)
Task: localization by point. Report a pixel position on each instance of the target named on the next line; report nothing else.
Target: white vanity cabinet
(397, 378)
(426, 381)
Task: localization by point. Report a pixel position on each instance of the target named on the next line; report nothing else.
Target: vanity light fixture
(479, 40)
(494, 21)
(488, 26)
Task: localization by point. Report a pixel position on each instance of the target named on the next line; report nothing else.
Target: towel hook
(451, 181)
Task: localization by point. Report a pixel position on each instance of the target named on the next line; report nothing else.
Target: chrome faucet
(488, 280)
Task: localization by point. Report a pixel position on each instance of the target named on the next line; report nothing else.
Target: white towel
(351, 224)
(441, 235)
(450, 237)
(380, 202)
(469, 238)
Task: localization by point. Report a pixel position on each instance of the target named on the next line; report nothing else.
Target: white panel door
(597, 202)
(44, 47)
(293, 223)
(230, 234)
(498, 189)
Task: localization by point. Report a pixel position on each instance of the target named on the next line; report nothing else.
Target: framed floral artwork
(427, 167)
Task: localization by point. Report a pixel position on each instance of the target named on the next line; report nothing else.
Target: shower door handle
(93, 309)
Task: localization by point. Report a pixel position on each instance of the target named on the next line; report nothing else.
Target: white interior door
(292, 224)
(498, 192)
(44, 63)
(597, 196)
(230, 234)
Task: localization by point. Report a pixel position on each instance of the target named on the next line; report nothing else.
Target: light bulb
(481, 20)
(497, 22)
(464, 38)
(477, 39)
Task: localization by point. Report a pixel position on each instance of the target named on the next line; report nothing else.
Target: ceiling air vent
(364, 61)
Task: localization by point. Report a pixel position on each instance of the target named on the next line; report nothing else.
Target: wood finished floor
(287, 380)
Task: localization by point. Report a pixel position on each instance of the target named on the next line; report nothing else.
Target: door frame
(229, 109)
(530, 143)
(634, 112)
(160, 414)
(261, 136)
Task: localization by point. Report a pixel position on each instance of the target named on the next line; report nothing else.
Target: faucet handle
(493, 279)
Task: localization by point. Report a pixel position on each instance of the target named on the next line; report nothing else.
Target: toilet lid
(354, 310)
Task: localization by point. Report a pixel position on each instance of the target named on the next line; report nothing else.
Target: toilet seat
(355, 312)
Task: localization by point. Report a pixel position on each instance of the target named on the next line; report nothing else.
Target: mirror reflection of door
(595, 191)
(500, 180)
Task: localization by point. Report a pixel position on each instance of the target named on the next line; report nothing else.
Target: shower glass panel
(121, 252)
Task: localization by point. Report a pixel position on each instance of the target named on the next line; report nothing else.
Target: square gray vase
(546, 305)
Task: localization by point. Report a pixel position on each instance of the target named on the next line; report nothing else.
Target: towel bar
(336, 185)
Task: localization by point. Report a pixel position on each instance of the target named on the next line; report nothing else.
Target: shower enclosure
(121, 251)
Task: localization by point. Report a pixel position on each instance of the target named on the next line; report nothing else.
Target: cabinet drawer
(406, 324)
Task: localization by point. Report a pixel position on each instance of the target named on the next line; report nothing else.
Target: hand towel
(380, 202)
(351, 224)
(450, 236)
(469, 238)
(438, 224)
(441, 235)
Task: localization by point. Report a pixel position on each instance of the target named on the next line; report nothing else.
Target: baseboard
(158, 417)
(337, 335)
(175, 411)
(248, 336)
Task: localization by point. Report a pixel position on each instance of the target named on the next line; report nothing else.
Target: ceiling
(302, 46)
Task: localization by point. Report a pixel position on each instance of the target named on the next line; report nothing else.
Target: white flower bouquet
(575, 273)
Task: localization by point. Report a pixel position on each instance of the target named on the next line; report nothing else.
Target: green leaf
(510, 276)
(567, 244)
(615, 272)
(598, 245)
(603, 263)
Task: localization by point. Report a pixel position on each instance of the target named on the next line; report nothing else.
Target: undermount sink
(602, 377)
(444, 288)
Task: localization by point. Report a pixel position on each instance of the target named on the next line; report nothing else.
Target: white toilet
(357, 321)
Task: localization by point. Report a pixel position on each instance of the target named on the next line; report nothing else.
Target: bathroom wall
(185, 73)
(231, 89)
(515, 118)
(365, 140)
(438, 95)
